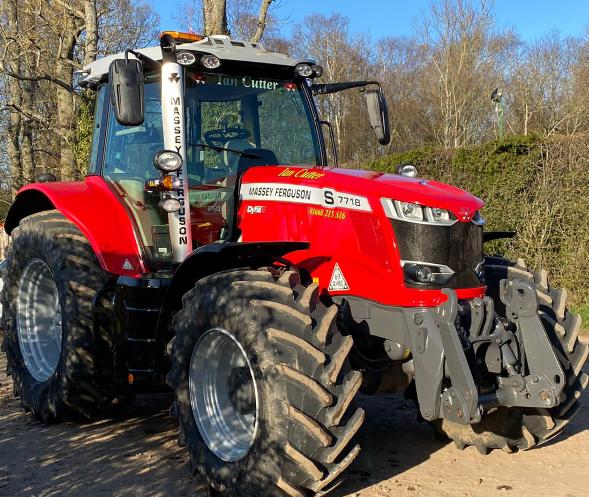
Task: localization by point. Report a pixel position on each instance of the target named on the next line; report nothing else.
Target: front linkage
(535, 379)
(503, 371)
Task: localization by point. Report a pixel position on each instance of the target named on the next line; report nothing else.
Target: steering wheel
(219, 137)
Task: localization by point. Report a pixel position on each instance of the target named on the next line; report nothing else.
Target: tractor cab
(202, 111)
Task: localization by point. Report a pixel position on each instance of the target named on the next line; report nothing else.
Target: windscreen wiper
(221, 149)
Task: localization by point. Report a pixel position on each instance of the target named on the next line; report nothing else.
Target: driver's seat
(231, 159)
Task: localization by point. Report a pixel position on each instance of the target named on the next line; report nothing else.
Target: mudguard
(98, 214)
(217, 257)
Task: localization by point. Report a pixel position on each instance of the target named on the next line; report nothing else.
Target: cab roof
(221, 46)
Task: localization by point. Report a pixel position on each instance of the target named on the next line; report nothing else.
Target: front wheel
(263, 391)
(51, 279)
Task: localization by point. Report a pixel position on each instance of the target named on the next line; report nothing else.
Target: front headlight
(408, 210)
(416, 213)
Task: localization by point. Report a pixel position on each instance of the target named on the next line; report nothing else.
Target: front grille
(459, 247)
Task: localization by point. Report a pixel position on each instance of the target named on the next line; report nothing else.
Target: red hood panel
(374, 186)
(353, 249)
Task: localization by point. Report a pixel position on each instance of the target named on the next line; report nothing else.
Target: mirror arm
(143, 58)
(324, 89)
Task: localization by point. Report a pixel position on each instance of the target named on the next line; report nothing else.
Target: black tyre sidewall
(52, 239)
(259, 464)
(42, 397)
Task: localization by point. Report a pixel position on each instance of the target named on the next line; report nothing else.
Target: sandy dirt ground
(137, 455)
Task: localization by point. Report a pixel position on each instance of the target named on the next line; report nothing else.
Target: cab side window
(128, 162)
(130, 149)
(98, 131)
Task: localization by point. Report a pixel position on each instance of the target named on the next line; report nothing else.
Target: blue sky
(530, 18)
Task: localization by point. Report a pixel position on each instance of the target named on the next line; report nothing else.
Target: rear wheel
(523, 428)
(50, 281)
(263, 392)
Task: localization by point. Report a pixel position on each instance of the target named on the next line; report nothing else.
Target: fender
(94, 209)
(210, 259)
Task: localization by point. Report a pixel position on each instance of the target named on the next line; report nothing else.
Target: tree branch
(27, 114)
(38, 77)
(66, 5)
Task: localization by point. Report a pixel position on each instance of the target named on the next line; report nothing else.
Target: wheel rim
(223, 395)
(39, 325)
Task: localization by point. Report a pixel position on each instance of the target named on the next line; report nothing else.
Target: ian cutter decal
(338, 281)
(309, 195)
(301, 173)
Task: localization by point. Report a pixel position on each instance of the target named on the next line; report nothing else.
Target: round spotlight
(318, 70)
(408, 170)
(170, 204)
(167, 161)
(304, 70)
(185, 58)
(210, 62)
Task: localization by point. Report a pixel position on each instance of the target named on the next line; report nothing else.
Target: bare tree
(44, 42)
(244, 19)
(543, 87)
(401, 65)
(14, 100)
(126, 24)
(327, 40)
(262, 19)
(467, 60)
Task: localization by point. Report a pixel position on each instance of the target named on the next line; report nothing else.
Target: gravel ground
(137, 455)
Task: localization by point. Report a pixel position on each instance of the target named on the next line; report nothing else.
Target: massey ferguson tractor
(212, 248)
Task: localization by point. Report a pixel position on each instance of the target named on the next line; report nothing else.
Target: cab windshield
(244, 112)
(232, 122)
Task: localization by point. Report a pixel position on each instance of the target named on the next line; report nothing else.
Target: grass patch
(583, 311)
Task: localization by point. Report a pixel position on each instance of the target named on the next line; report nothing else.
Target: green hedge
(533, 185)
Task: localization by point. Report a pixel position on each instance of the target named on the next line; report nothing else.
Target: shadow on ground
(137, 455)
(392, 442)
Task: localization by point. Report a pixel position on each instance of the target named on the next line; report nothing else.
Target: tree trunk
(91, 22)
(13, 132)
(66, 114)
(26, 142)
(215, 17)
(14, 102)
(261, 27)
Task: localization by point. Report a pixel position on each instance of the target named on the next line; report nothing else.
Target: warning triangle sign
(127, 265)
(338, 281)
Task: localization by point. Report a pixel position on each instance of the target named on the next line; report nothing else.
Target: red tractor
(265, 287)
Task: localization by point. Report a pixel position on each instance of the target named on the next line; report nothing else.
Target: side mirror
(379, 114)
(126, 83)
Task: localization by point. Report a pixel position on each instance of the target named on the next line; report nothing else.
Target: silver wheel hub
(39, 325)
(223, 395)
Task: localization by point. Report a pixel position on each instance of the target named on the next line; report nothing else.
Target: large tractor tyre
(263, 390)
(519, 428)
(50, 282)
